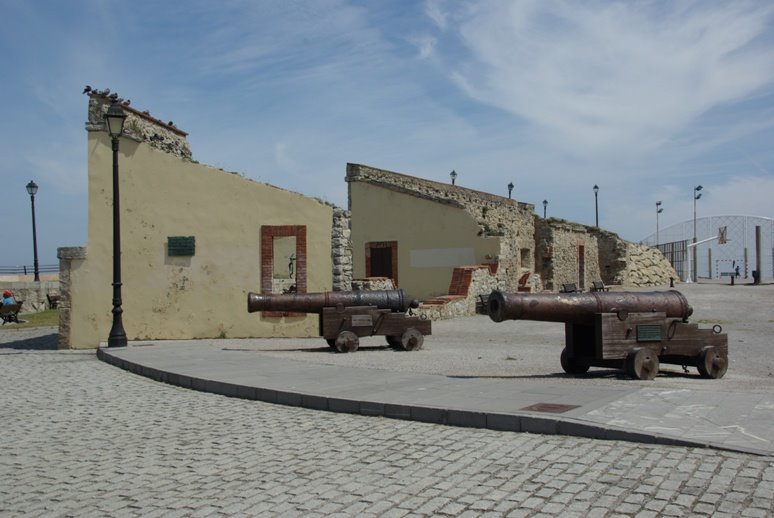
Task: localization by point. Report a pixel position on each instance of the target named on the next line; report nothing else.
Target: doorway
(381, 258)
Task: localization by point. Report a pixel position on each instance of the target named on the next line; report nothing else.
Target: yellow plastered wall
(199, 296)
(432, 237)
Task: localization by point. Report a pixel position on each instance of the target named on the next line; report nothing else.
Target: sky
(646, 99)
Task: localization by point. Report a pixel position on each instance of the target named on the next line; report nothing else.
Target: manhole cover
(553, 408)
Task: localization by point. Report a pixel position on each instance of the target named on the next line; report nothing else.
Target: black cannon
(345, 316)
(631, 330)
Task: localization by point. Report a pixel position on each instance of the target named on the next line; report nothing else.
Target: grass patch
(47, 318)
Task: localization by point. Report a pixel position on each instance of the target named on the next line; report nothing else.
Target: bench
(10, 312)
(569, 287)
(53, 300)
(599, 286)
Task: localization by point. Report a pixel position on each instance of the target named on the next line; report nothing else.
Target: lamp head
(596, 188)
(32, 188)
(115, 118)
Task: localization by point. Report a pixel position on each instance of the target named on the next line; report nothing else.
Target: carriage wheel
(642, 364)
(571, 364)
(711, 364)
(412, 339)
(347, 342)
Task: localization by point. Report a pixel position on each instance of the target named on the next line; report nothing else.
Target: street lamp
(596, 205)
(696, 196)
(510, 189)
(114, 119)
(545, 205)
(659, 210)
(453, 175)
(32, 189)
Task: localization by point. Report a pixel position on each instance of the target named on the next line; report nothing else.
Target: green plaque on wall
(181, 245)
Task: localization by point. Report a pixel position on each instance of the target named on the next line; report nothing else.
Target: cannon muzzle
(394, 300)
(580, 308)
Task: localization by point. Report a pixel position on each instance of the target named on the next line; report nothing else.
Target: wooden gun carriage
(634, 331)
(345, 316)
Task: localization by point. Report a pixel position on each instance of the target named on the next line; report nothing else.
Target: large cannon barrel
(579, 308)
(395, 300)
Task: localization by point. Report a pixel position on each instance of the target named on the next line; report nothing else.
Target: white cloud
(434, 11)
(613, 77)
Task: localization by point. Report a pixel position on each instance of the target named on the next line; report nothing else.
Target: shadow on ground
(45, 342)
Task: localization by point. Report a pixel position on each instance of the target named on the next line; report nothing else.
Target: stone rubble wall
(643, 265)
(341, 250)
(31, 293)
(372, 284)
(69, 259)
(558, 244)
(140, 127)
(482, 283)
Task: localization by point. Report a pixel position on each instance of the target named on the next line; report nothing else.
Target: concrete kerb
(514, 422)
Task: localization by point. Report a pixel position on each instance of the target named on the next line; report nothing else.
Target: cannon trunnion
(346, 316)
(635, 331)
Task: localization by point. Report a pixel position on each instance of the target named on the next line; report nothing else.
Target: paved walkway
(83, 438)
(677, 416)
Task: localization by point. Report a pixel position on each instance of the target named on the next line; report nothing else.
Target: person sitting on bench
(8, 298)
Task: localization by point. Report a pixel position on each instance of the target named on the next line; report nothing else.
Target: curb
(524, 423)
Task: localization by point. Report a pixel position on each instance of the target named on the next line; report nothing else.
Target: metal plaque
(649, 333)
(362, 321)
(181, 245)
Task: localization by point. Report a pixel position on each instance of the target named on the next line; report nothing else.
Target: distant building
(715, 260)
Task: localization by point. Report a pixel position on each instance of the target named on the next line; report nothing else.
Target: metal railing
(28, 269)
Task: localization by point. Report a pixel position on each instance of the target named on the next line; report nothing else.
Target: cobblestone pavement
(82, 438)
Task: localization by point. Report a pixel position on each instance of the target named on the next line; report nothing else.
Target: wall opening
(283, 262)
(526, 254)
(581, 267)
(381, 258)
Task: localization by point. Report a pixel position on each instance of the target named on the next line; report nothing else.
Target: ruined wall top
(454, 195)
(139, 126)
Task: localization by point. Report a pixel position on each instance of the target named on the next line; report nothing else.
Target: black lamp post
(114, 118)
(545, 206)
(696, 196)
(453, 176)
(659, 210)
(510, 189)
(596, 205)
(32, 189)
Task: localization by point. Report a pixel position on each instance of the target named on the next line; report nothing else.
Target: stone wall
(372, 284)
(69, 258)
(139, 126)
(559, 245)
(31, 293)
(341, 250)
(474, 286)
(632, 264)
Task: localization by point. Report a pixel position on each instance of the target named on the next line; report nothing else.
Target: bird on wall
(87, 89)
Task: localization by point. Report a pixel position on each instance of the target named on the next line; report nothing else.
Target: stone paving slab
(725, 420)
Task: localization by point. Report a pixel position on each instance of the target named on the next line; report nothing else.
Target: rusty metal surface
(580, 308)
(394, 300)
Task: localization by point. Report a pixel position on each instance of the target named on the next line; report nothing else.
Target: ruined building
(434, 239)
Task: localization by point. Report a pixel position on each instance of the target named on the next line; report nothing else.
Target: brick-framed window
(268, 233)
(381, 260)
